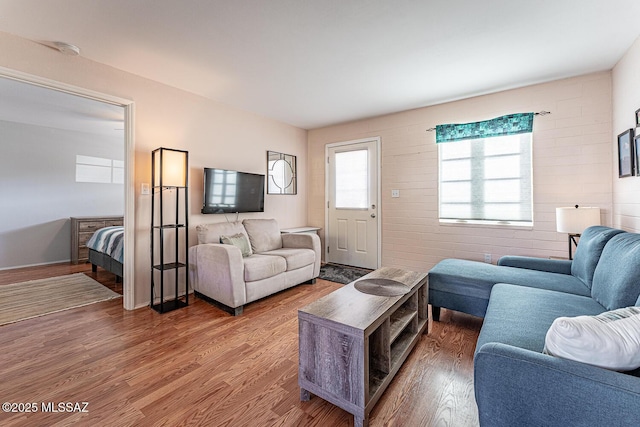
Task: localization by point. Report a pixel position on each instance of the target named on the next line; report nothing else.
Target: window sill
(487, 224)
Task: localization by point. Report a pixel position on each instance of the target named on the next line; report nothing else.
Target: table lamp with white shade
(573, 220)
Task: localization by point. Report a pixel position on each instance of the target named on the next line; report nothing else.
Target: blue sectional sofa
(515, 383)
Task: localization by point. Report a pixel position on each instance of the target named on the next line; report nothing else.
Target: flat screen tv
(227, 191)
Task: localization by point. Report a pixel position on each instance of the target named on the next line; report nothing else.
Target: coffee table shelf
(400, 320)
(353, 343)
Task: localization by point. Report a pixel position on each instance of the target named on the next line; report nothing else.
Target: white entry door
(352, 203)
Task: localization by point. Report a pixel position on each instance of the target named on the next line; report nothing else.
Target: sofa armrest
(562, 266)
(217, 271)
(514, 386)
(306, 241)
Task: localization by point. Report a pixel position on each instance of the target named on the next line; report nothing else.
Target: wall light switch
(395, 193)
(145, 189)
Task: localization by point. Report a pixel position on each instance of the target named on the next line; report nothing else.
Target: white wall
(39, 191)
(571, 165)
(626, 100)
(214, 134)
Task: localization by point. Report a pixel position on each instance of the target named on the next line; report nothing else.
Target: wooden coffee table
(353, 342)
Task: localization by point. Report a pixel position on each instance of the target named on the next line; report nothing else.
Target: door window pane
(352, 179)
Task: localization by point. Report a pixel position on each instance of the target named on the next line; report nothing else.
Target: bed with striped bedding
(106, 249)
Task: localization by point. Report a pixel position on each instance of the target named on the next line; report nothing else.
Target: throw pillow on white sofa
(240, 241)
(609, 340)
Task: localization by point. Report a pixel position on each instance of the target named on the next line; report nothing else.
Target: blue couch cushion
(592, 242)
(475, 279)
(562, 266)
(521, 316)
(616, 282)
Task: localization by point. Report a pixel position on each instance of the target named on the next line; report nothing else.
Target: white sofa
(220, 274)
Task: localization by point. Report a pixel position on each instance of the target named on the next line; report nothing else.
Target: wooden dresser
(82, 228)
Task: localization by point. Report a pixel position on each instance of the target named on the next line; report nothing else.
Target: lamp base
(164, 307)
(572, 239)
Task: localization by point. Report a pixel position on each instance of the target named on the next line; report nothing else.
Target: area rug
(341, 273)
(21, 301)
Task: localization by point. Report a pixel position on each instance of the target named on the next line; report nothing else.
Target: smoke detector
(66, 48)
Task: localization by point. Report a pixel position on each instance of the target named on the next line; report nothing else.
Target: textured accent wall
(572, 163)
(626, 100)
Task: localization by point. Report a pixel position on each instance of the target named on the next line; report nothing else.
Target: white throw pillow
(609, 340)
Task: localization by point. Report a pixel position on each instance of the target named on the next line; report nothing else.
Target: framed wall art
(282, 171)
(626, 156)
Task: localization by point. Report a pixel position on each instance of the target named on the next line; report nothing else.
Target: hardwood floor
(200, 366)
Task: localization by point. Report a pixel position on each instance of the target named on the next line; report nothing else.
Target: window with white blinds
(486, 180)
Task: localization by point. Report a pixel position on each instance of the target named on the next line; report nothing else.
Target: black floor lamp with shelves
(169, 228)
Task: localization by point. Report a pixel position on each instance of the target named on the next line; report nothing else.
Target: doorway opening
(127, 176)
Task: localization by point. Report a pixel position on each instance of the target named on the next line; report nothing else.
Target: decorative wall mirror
(281, 169)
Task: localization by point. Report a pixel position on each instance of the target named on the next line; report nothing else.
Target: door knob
(373, 215)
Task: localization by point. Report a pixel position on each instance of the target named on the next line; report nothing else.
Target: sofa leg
(310, 281)
(234, 311)
(435, 313)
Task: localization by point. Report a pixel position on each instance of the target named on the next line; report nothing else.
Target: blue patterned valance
(511, 124)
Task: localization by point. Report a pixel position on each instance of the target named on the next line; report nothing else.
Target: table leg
(360, 421)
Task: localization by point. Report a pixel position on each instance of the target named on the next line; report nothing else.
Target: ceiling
(322, 62)
(39, 106)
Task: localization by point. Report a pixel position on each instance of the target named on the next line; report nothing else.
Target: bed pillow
(240, 241)
(610, 340)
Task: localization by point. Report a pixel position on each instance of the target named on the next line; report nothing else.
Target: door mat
(341, 273)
